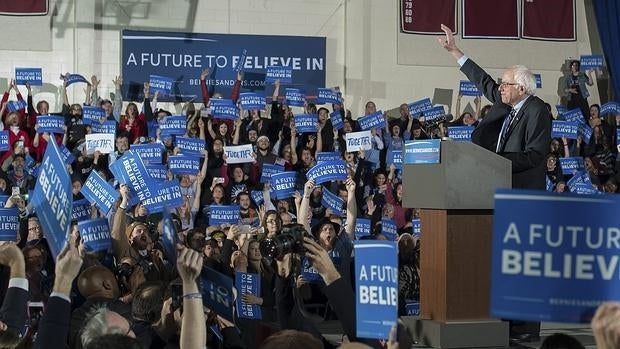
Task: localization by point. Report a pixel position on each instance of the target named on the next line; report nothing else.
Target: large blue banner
(191, 146)
(223, 214)
(217, 292)
(468, 88)
(571, 165)
(50, 123)
(566, 129)
(247, 283)
(33, 76)
(328, 171)
(53, 200)
(333, 202)
(151, 153)
(284, 184)
(422, 152)
(96, 190)
(306, 123)
(460, 133)
(9, 224)
(183, 164)
(376, 296)
(372, 121)
(95, 234)
(182, 56)
(568, 261)
(167, 195)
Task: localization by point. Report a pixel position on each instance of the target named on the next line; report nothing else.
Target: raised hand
(204, 73)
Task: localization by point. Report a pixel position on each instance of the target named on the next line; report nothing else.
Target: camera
(291, 240)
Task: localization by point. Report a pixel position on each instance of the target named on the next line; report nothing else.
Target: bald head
(98, 281)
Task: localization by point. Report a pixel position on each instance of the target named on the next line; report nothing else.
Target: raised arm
(351, 208)
(117, 106)
(193, 328)
(120, 242)
(304, 207)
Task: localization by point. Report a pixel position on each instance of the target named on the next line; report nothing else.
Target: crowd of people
(125, 296)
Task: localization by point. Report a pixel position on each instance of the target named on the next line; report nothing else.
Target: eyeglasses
(274, 221)
(34, 228)
(504, 84)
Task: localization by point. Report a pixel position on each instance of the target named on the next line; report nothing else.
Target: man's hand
(204, 73)
(606, 326)
(249, 298)
(12, 256)
(321, 261)
(449, 43)
(350, 185)
(68, 266)
(189, 264)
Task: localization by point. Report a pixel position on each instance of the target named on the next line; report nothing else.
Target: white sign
(239, 154)
(357, 141)
(104, 142)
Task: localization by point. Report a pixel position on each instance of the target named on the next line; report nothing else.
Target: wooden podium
(456, 202)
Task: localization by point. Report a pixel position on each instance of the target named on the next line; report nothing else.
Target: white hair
(524, 78)
(97, 325)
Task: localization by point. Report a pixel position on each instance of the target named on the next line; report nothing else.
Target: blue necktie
(505, 128)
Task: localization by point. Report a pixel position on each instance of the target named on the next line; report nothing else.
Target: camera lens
(278, 246)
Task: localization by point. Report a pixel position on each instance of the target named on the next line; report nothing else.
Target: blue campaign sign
(574, 115)
(336, 119)
(81, 210)
(586, 132)
(548, 184)
(333, 202)
(182, 56)
(412, 308)
(241, 61)
(3, 200)
(306, 123)
(328, 156)
(561, 109)
(566, 129)
(153, 153)
(418, 107)
(167, 195)
(571, 165)
(376, 281)
(191, 146)
(252, 101)
(96, 190)
(217, 293)
(95, 234)
(92, 115)
(284, 184)
(130, 170)
(14, 106)
(372, 121)
(9, 224)
(468, 88)
(66, 154)
(258, 197)
(174, 125)
(538, 78)
(247, 283)
(50, 123)
(169, 237)
(309, 273)
(415, 223)
(53, 200)
(328, 171)
(584, 189)
(568, 260)
(611, 108)
(108, 126)
(587, 62)
(396, 157)
(389, 229)
(71, 79)
(580, 177)
(33, 76)
(158, 172)
(223, 214)
(460, 133)
(422, 151)
(328, 95)
(433, 114)
(295, 97)
(268, 170)
(224, 109)
(362, 227)
(284, 74)
(161, 84)
(4, 140)
(182, 164)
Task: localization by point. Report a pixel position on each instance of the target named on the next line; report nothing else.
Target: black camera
(291, 240)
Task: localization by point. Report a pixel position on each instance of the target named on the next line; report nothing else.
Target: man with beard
(263, 152)
(247, 214)
(18, 177)
(137, 244)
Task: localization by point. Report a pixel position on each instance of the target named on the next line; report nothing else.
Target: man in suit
(13, 310)
(517, 127)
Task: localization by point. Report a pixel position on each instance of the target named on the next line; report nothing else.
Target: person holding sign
(575, 88)
(518, 126)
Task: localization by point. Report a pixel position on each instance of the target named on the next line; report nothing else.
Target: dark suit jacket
(13, 311)
(54, 325)
(529, 136)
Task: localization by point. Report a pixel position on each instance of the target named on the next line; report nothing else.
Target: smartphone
(218, 180)
(35, 310)
(176, 291)
(15, 191)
